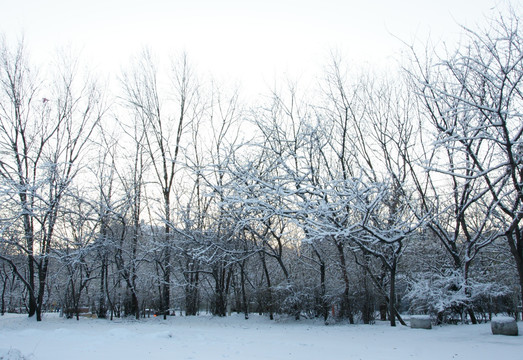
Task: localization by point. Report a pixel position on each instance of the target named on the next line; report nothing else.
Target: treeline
(367, 195)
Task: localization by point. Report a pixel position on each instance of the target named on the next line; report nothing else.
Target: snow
(421, 317)
(11, 354)
(205, 337)
(503, 319)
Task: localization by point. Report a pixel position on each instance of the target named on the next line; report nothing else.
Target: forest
(364, 196)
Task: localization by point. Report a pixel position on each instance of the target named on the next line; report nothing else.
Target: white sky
(247, 41)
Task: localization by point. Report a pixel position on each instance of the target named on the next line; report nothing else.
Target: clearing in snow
(206, 337)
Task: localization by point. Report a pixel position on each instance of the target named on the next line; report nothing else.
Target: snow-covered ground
(205, 337)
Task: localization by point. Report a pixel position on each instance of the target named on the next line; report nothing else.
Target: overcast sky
(249, 41)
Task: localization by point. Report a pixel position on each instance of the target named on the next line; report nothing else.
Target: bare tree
(133, 186)
(45, 126)
(163, 120)
(474, 98)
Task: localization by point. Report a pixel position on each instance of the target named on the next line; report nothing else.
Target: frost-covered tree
(45, 125)
(163, 118)
(473, 97)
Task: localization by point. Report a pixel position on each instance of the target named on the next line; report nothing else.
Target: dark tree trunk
(192, 301)
(42, 278)
(269, 304)
(346, 304)
(515, 241)
(367, 308)
(470, 311)
(323, 292)
(102, 308)
(4, 286)
(324, 306)
(166, 284)
(244, 294)
(31, 287)
(167, 254)
(29, 242)
(392, 294)
(219, 301)
(135, 307)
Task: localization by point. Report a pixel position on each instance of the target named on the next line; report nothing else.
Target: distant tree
(74, 252)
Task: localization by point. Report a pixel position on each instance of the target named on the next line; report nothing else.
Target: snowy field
(206, 337)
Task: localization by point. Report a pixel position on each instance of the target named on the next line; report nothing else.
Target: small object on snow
(504, 325)
(420, 322)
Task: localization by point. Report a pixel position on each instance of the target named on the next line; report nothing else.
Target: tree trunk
(42, 277)
(367, 308)
(392, 294)
(269, 287)
(346, 305)
(516, 248)
(4, 286)
(323, 292)
(470, 311)
(135, 308)
(29, 240)
(219, 302)
(31, 288)
(102, 309)
(244, 295)
(192, 301)
(167, 259)
(324, 306)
